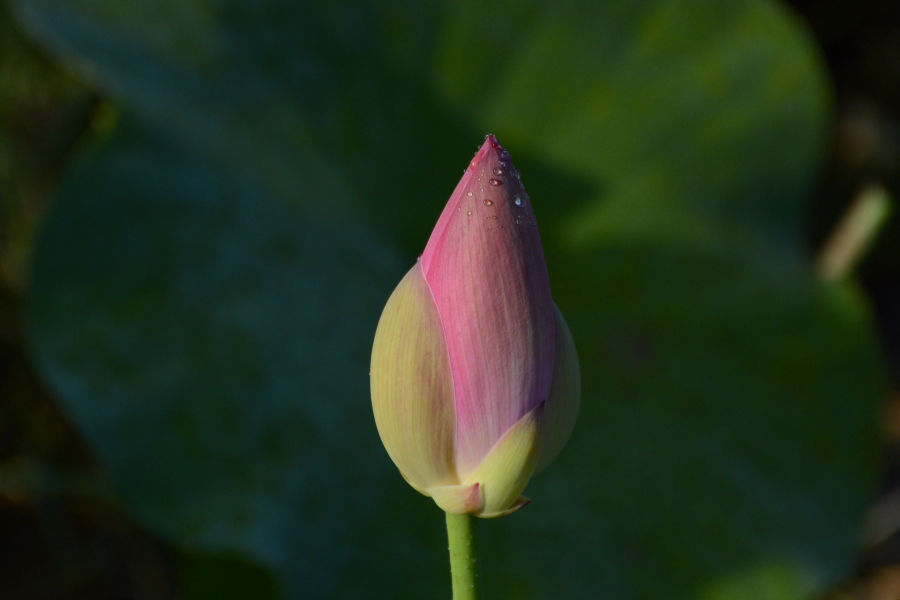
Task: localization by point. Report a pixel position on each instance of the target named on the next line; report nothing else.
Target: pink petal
(485, 266)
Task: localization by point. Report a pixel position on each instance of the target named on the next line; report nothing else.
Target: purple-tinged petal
(561, 409)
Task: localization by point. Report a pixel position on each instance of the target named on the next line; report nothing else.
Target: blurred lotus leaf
(206, 289)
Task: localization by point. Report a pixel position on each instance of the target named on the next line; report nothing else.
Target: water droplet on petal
(519, 201)
(469, 213)
(469, 194)
(494, 182)
(488, 202)
(497, 171)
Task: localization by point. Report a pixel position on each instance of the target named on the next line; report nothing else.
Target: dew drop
(488, 202)
(469, 194)
(519, 201)
(518, 175)
(469, 213)
(497, 171)
(494, 182)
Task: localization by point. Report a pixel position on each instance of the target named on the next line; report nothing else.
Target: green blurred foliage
(225, 577)
(33, 91)
(208, 283)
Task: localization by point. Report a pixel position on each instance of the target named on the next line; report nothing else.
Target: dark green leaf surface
(213, 348)
(205, 296)
(225, 577)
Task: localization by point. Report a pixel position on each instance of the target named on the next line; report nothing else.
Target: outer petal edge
(561, 409)
(520, 503)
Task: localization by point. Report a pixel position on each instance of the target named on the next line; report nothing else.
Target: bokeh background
(204, 205)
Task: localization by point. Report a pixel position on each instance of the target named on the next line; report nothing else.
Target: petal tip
(490, 145)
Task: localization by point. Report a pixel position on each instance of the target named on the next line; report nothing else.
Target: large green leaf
(213, 349)
(728, 415)
(204, 297)
(652, 106)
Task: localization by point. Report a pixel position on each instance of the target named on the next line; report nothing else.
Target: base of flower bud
(459, 499)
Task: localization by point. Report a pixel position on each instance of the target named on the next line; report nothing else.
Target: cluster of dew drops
(498, 172)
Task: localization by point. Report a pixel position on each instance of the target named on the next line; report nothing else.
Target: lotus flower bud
(475, 379)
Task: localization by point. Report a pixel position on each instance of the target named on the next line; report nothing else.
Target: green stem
(461, 534)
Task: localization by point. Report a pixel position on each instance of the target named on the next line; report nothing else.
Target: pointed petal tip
(490, 145)
(490, 142)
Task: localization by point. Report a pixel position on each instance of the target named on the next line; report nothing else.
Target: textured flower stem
(461, 535)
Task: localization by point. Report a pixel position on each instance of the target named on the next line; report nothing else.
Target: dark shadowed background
(204, 205)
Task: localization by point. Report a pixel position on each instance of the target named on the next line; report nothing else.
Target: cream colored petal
(458, 499)
(561, 409)
(505, 471)
(412, 387)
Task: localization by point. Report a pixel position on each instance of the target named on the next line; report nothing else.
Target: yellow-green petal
(412, 387)
(505, 471)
